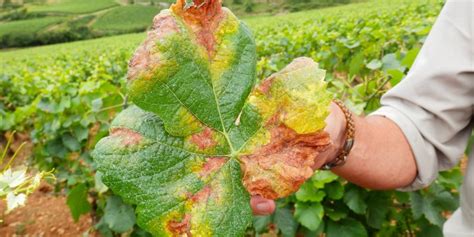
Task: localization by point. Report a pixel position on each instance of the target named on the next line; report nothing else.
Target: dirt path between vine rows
(45, 215)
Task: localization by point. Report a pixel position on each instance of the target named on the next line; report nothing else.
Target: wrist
(348, 143)
(336, 128)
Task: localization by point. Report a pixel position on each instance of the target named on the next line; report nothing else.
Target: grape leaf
(285, 221)
(201, 137)
(118, 216)
(77, 201)
(347, 228)
(260, 223)
(309, 215)
(307, 193)
(355, 199)
(378, 209)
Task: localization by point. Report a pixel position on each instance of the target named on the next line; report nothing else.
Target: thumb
(262, 206)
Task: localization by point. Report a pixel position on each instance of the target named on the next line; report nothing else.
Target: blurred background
(39, 22)
(62, 79)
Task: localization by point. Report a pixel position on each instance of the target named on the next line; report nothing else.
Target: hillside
(88, 19)
(130, 41)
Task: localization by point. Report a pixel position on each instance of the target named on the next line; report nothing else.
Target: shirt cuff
(426, 167)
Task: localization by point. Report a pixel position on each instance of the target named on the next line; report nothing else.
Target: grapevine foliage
(63, 97)
(201, 138)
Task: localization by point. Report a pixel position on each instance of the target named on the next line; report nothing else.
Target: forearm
(381, 157)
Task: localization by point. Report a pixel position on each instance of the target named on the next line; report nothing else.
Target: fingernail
(263, 207)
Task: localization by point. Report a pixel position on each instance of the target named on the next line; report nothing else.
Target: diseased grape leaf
(201, 137)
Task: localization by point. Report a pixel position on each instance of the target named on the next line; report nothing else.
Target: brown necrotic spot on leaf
(211, 166)
(145, 57)
(203, 17)
(202, 195)
(265, 86)
(180, 228)
(129, 137)
(279, 168)
(200, 12)
(182, 224)
(204, 139)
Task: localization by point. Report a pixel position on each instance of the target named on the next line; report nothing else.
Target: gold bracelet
(348, 144)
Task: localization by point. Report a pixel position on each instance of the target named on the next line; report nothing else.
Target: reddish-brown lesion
(182, 227)
(202, 195)
(279, 168)
(145, 58)
(201, 11)
(211, 165)
(129, 137)
(266, 85)
(203, 18)
(204, 139)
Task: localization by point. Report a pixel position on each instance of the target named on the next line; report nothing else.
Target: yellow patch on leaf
(292, 94)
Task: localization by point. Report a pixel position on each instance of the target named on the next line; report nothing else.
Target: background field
(61, 99)
(126, 19)
(27, 27)
(74, 6)
(88, 19)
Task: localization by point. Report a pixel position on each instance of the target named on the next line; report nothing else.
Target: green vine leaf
(285, 222)
(309, 215)
(118, 215)
(377, 210)
(355, 199)
(347, 227)
(77, 201)
(430, 204)
(201, 137)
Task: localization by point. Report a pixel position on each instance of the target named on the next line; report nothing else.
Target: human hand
(335, 126)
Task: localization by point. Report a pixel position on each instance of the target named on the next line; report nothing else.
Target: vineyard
(61, 100)
(58, 21)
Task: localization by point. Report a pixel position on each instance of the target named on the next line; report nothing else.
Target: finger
(321, 159)
(262, 206)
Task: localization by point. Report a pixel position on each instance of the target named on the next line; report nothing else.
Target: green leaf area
(77, 201)
(201, 137)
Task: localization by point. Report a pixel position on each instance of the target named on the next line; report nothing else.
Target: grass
(27, 26)
(126, 19)
(74, 6)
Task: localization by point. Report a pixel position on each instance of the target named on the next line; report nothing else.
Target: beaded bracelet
(348, 144)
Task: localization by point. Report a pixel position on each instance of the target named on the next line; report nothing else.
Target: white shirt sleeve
(434, 104)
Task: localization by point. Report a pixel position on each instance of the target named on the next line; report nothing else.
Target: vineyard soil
(44, 215)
